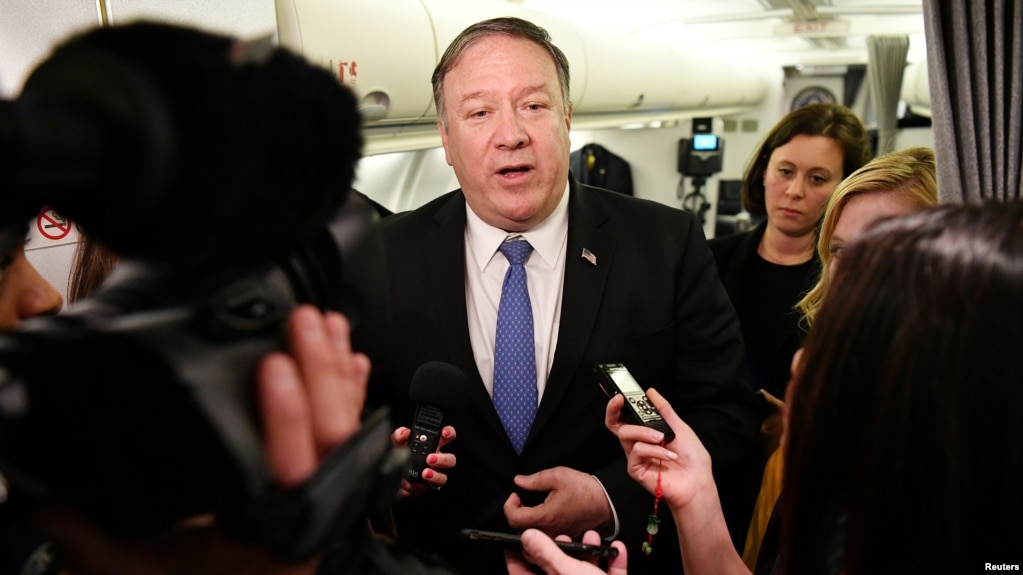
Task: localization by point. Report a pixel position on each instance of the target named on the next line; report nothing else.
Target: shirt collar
(547, 237)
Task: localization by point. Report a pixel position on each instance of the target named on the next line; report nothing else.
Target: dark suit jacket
(610, 171)
(653, 301)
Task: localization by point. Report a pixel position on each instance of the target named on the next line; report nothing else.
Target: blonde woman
(892, 185)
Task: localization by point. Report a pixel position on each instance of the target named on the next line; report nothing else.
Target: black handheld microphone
(436, 387)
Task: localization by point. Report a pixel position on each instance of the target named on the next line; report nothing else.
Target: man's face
(23, 292)
(505, 131)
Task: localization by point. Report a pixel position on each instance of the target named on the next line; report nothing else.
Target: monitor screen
(705, 142)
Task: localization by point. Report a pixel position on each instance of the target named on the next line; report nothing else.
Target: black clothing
(765, 295)
(647, 296)
(596, 166)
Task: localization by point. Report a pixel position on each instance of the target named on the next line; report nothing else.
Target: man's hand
(435, 479)
(539, 549)
(575, 503)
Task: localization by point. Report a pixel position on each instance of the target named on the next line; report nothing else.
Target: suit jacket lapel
(447, 276)
(583, 292)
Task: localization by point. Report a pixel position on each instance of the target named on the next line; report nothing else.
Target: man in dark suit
(610, 278)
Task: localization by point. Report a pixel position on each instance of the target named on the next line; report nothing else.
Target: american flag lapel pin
(588, 256)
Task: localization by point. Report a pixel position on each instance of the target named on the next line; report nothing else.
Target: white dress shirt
(484, 278)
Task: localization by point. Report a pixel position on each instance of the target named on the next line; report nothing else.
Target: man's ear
(443, 130)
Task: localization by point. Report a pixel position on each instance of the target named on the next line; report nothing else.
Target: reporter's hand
(310, 401)
(575, 502)
(772, 427)
(539, 549)
(682, 466)
(683, 470)
(435, 479)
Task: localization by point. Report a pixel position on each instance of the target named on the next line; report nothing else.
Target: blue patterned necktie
(514, 353)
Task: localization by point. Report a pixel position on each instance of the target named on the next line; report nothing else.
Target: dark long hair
(92, 264)
(905, 444)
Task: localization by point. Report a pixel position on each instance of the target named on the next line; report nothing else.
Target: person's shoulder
(730, 240)
(423, 213)
(726, 248)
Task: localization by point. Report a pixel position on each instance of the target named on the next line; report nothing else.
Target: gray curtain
(887, 62)
(975, 70)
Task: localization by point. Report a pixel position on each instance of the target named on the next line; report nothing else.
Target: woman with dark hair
(768, 269)
(905, 441)
(892, 185)
(904, 437)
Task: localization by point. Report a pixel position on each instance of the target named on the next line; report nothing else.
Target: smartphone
(614, 378)
(512, 540)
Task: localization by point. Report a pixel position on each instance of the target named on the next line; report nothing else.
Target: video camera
(220, 172)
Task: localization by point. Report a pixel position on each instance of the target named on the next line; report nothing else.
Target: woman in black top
(768, 269)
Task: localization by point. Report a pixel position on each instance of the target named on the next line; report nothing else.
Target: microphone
(436, 387)
(171, 144)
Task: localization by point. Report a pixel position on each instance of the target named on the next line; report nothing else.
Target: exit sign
(813, 28)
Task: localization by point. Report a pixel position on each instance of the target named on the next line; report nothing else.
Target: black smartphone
(512, 540)
(614, 378)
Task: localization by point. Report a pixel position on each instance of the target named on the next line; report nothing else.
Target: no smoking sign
(52, 225)
(51, 228)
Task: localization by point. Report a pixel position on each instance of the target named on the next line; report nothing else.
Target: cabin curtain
(975, 71)
(887, 58)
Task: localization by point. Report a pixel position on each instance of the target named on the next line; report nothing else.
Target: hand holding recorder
(438, 389)
(682, 467)
(615, 379)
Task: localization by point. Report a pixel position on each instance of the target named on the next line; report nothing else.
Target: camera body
(137, 405)
(219, 171)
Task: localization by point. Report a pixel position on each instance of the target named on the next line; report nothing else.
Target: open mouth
(514, 170)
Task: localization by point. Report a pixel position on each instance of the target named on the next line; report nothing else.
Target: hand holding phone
(512, 540)
(614, 379)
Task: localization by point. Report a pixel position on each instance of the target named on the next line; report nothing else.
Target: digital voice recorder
(614, 378)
